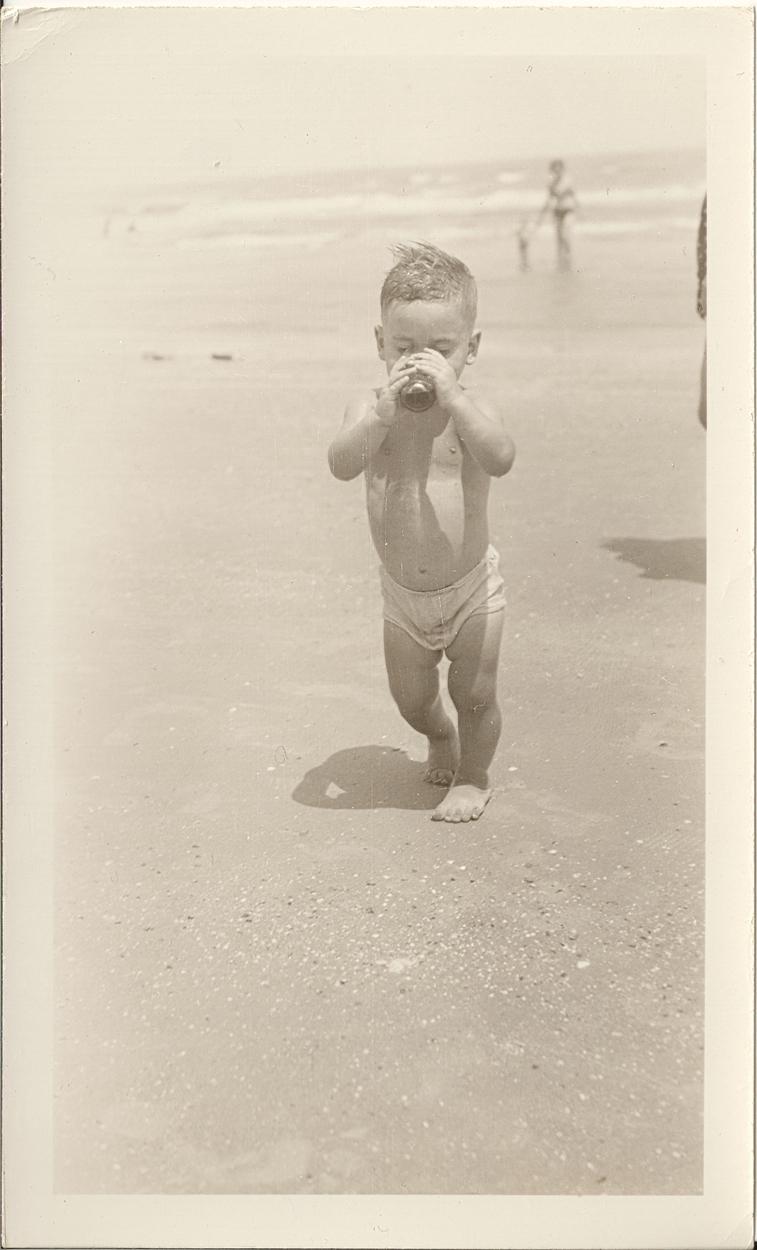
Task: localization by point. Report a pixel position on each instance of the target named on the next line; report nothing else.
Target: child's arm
(367, 421)
(360, 437)
(477, 420)
(479, 425)
(546, 206)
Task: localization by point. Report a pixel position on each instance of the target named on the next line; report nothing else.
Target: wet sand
(274, 973)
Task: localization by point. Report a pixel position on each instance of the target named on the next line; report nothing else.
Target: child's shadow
(367, 777)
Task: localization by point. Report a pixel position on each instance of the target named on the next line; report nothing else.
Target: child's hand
(439, 371)
(387, 407)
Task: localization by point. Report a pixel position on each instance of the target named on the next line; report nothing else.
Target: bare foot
(443, 756)
(463, 802)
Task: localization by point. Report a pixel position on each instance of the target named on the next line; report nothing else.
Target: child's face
(440, 325)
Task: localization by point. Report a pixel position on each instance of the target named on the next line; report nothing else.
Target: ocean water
(621, 194)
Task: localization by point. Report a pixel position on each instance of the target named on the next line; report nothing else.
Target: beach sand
(274, 973)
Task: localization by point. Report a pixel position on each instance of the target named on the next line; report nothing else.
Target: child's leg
(563, 238)
(472, 682)
(414, 683)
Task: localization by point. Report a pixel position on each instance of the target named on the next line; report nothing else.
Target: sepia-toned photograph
(374, 392)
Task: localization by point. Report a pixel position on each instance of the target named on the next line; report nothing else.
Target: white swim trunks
(434, 618)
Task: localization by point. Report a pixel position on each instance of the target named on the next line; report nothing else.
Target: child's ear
(379, 332)
(473, 346)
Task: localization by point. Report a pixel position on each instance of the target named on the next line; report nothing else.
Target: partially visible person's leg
(562, 223)
(567, 234)
(414, 683)
(703, 389)
(472, 682)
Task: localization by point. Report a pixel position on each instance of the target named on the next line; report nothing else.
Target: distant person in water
(702, 305)
(561, 204)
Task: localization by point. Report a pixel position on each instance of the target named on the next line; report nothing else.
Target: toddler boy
(427, 477)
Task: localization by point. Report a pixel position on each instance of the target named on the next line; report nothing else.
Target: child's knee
(483, 705)
(413, 698)
(477, 698)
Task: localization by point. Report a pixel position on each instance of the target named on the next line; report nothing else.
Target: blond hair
(424, 272)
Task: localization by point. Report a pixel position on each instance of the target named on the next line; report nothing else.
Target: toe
(460, 809)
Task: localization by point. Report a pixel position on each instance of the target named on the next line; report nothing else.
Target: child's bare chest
(421, 449)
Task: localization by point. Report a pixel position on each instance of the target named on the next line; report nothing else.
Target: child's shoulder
(359, 403)
(487, 400)
(362, 399)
